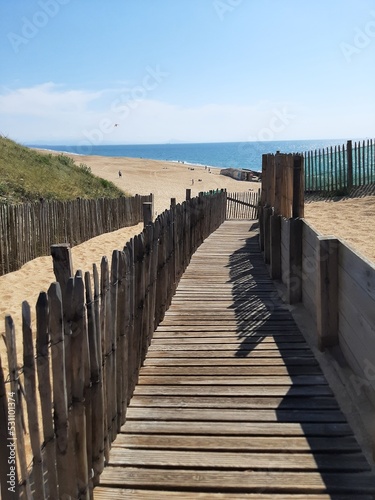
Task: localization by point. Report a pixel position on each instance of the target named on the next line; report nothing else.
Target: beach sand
(352, 220)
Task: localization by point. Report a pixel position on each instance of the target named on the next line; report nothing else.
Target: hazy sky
(151, 71)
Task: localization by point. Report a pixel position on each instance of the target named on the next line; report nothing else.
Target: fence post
(188, 194)
(275, 246)
(17, 405)
(294, 283)
(147, 213)
(267, 212)
(298, 186)
(31, 400)
(349, 151)
(327, 291)
(62, 266)
(45, 391)
(5, 467)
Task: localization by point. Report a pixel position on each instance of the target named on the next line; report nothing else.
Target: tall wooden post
(298, 186)
(294, 283)
(327, 292)
(188, 194)
(275, 247)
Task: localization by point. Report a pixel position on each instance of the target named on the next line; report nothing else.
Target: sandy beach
(352, 220)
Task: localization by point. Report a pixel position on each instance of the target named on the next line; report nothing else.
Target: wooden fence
(28, 230)
(335, 284)
(242, 205)
(338, 169)
(92, 335)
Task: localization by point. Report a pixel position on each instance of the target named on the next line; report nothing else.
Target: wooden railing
(28, 230)
(334, 283)
(93, 331)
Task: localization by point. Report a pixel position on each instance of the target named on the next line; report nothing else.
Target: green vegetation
(27, 175)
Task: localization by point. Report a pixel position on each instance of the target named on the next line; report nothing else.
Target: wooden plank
(339, 462)
(224, 362)
(242, 415)
(240, 353)
(178, 426)
(249, 481)
(234, 390)
(102, 493)
(267, 370)
(260, 444)
(359, 268)
(210, 401)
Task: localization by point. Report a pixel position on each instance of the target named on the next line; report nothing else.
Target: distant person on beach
(119, 173)
(192, 182)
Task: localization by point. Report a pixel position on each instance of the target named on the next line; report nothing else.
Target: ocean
(246, 155)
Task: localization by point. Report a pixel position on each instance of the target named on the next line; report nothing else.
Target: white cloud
(44, 100)
(50, 113)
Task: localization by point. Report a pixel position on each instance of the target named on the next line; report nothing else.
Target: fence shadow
(268, 334)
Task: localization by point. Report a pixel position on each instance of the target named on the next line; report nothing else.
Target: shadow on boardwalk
(269, 337)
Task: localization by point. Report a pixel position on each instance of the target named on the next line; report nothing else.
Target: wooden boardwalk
(231, 402)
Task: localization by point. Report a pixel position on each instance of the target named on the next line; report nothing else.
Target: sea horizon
(243, 155)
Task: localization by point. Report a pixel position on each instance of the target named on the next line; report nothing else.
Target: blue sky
(155, 71)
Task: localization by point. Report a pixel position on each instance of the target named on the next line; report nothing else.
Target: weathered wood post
(45, 392)
(275, 246)
(18, 434)
(327, 292)
(294, 282)
(188, 194)
(147, 213)
(31, 400)
(62, 265)
(5, 452)
(97, 422)
(65, 468)
(298, 203)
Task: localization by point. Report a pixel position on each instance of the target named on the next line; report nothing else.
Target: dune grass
(28, 175)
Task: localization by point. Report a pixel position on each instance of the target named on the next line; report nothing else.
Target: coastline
(165, 179)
